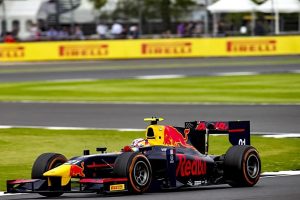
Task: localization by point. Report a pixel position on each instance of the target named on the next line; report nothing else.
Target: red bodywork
(172, 137)
(77, 171)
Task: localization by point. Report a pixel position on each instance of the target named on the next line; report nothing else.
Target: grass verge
(20, 147)
(274, 88)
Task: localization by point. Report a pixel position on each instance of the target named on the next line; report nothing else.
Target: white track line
(295, 71)
(263, 134)
(236, 73)
(168, 76)
(69, 128)
(286, 135)
(281, 173)
(2, 194)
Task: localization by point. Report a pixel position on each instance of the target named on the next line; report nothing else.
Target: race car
(168, 157)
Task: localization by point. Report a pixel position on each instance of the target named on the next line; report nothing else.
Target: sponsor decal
(117, 187)
(77, 171)
(222, 126)
(172, 137)
(172, 160)
(12, 52)
(194, 167)
(83, 50)
(251, 46)
(164, 48)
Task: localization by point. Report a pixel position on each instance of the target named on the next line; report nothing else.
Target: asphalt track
(271, 188)
(264, 118)
(135, 68)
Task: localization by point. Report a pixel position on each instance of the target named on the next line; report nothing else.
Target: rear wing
(238, 132)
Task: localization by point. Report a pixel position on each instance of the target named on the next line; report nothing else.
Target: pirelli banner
(162, 48)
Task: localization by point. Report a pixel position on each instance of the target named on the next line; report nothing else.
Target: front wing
(85, 185)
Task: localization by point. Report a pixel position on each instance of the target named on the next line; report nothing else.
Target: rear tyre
(242, 166)
(136, 167)
(46, 162)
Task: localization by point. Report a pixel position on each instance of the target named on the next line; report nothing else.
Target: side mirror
(101, 149)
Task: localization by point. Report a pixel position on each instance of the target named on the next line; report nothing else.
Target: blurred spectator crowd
(117, 30)
(37, 33)
(190, 29)
(72, 32)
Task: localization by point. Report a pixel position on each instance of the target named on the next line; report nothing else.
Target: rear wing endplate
(238, 131)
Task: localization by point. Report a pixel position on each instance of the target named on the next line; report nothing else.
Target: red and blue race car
(168, 157)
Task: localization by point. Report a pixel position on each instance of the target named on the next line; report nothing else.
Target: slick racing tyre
(242, 166)
(136, 167)
(46, 162)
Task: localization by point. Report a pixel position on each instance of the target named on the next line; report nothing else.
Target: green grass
(275, 88)
(19, 148)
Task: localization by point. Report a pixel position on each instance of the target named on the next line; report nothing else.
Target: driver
(135, 145)
(139, 142)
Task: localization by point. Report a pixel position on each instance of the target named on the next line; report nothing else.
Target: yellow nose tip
(62, 171)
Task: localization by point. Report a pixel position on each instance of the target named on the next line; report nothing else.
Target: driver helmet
(139, 142)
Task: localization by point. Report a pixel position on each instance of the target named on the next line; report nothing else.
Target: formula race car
(169, 157)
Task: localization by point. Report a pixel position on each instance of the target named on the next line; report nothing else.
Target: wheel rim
(141, 173)
(252, 166)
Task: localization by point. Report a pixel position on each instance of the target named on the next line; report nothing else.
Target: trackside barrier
(154, 48)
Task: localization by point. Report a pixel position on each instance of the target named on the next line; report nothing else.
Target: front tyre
(44, 163)
(242, 166)
(136, 167)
